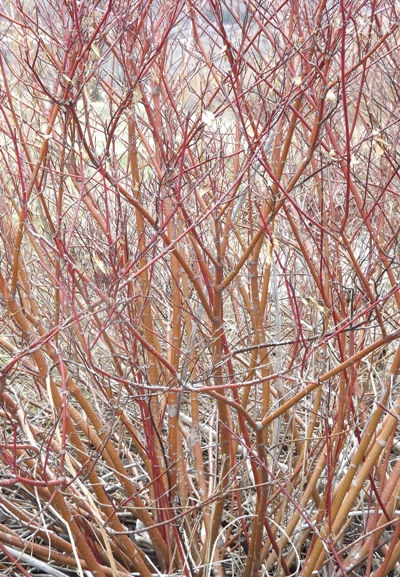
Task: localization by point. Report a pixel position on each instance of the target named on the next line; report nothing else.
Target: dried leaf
(208, 118)
(332, 154)
(331, 96)
(204, 188)
(275, 243)
(99, 264)
(95, 51)
(271, 246)
(67, 79)
(297, 80)
(382, 141)
(317, 306)
(268, 258)
(379, 151)
(136, 96)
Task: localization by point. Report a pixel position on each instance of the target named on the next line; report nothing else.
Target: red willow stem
(198, 276)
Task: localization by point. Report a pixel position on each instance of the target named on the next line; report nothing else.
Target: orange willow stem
(352, 484)
(311, 387)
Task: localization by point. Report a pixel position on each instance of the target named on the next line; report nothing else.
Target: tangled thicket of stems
(200, 287)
